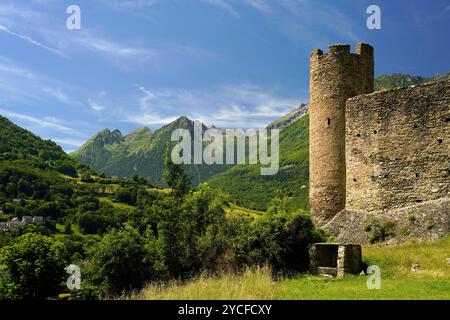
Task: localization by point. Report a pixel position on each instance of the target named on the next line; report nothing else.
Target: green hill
(140, 152)
(250, 189)
(403, 80)
(19, 144)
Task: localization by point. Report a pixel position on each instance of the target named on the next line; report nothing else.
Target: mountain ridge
(292, 125)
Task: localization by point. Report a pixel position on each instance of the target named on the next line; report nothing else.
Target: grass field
(234, 209)
(431, 281)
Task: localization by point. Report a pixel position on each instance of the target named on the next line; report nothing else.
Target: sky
(228, 63)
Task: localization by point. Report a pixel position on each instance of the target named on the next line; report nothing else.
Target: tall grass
(397, 260)
(430, 281)
(252, 284)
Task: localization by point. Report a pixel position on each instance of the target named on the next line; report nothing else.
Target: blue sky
(231, 63)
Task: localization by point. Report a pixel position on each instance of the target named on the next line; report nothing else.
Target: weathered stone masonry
(398, 147)
(335, 77)
(376, 153)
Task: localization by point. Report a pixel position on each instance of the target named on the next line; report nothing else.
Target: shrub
(378, 232)
(411, 217)
(374, 231)
(66, 168)
(35, 266)
(282, 239)
(128, 196)
(119, 262)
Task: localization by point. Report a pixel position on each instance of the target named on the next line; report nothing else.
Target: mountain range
(141, 152)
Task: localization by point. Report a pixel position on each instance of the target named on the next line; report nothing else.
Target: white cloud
(8, 66)
(49, 123)
(229, 5)
(95, 106)
(30, 40)
(149, 119)
(315, 24)
(232, 106)
(69, 142)
(260, 5)
(56, 93)
(223, 5)
(18, 83)
(129, 54)
(129, 4)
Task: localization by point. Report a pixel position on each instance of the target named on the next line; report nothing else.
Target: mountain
(17, 143)
(245, 184)
(249, 188)
(403, 80)
(289, 118)
(141, 152)
(32, 168)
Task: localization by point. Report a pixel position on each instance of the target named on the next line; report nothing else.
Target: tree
(66, 168)
(126, 195)
(35, 265)
(120, 262)
(175, 176)
(282, 239)
(68, 227)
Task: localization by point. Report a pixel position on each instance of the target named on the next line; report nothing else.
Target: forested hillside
(141, 152)
(250, 189)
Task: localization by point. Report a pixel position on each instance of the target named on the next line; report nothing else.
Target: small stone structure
(335, 259)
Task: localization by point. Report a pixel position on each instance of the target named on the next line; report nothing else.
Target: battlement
(362, 49)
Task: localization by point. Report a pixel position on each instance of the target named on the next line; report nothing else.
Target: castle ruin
(385, 153)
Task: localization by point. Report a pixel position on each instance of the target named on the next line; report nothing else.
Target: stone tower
(335, 77)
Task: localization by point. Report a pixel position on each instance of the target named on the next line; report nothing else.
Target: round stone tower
(335, 77)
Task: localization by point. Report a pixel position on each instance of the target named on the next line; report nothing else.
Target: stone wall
(398, 147)
(428, 220)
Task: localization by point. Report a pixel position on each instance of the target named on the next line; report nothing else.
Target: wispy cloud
(243, 106)
(95, 106)
(23, 84)
(133, 53)
(223, 5)
(50, 123)
(314, 23)
(260, 5)
(122, 55)
(128, 4)
(31, 41)
(69, 142)
(231, 5)
(7, 66)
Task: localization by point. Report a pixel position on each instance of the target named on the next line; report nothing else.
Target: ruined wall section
(335, 77)
(398, 147)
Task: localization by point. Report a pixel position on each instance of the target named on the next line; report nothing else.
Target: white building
(38, 219)
(27, 220)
